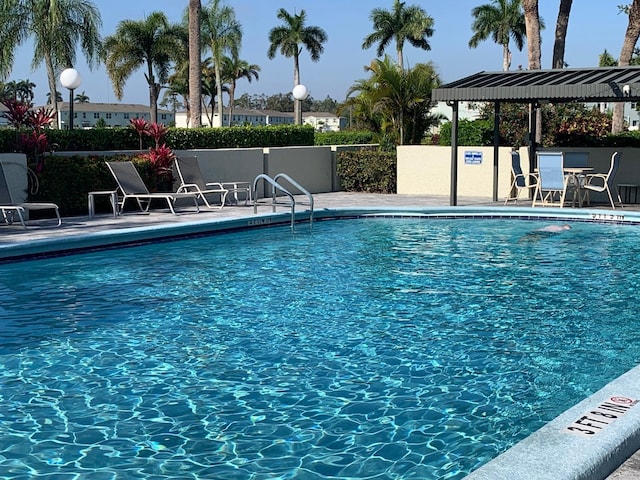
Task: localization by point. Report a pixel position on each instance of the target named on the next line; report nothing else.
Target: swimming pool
(371, 348)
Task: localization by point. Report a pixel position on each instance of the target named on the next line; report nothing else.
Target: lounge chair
(192, 180)
(9, 209)
(131, 185)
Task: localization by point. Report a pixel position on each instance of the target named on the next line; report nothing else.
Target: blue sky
(595, 25)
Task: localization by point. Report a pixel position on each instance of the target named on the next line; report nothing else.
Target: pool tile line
(24, 249)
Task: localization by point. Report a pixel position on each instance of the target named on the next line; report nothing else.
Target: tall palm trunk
(232, 92)
(297, 104)
(216, 68)
(630, 40)
(51, 77)
(195, 70)
(154, 92)
(561, 33)
(506, 57)
(532, 25)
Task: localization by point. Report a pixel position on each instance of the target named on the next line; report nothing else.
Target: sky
(594, 25)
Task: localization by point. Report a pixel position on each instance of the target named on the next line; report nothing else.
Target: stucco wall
(426, 170)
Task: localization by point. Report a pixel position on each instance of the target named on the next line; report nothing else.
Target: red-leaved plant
(34, 143)
(141, 126)
(161, 156)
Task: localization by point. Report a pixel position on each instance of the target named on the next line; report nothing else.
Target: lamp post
(300, 93)
(70, 78)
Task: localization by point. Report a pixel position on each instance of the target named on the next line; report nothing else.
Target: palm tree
(233, 70)
(58, 98)
(626, 54)
(561, 34)
(396, 102)
(57, 27)
(291, 38)
(152, 43)
(502, 20)
(21, 90)
(210, 90)
(81, 98)
(404, 24)
(223, 34)
(195, 71)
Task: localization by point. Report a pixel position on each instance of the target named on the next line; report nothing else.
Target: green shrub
(67, 180)
(349, 137)
(470, 133)
(367, 170)
(125, 138)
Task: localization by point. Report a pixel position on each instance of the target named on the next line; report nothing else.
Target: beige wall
(427, 169)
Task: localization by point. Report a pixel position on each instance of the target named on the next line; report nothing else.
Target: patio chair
(553, 183)
(131, 185)
(521, 181)
(603, 182)
(192, 180)
(9, 209)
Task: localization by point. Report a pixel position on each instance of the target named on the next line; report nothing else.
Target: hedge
(368, 170)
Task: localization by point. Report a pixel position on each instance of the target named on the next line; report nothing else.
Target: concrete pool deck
(83, 232)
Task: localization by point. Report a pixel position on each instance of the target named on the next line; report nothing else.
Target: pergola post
(453, 196)
(496, 149)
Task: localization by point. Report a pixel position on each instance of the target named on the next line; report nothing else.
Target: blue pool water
(368, 349)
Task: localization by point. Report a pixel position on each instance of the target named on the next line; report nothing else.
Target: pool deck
(75, 231)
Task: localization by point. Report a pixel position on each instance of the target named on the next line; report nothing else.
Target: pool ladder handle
(273, 201)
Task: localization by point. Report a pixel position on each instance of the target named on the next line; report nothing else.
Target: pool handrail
(273, 201)
(302, 190)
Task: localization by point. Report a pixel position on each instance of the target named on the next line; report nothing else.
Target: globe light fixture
(71, 79)
(300, 93)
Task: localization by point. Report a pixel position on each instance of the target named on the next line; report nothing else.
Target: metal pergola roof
(605, 84)
(587, 85)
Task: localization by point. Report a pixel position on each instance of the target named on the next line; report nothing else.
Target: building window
(96, 115)
(163, 116)
(108, 115)
(126, 115)
(84, 115)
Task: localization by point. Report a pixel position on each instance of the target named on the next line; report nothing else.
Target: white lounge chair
(131, 185)
(9, 209)
(192, 180)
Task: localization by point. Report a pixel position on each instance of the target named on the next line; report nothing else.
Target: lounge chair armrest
(589, 179)
(188, 188)
(215, 184)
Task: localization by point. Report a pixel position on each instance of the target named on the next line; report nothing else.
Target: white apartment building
(86, 115)
(321, 121)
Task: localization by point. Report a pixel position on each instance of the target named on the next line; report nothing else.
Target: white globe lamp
(300, 93)
(71, 79)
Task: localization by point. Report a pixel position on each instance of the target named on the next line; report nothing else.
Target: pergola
(533, 87)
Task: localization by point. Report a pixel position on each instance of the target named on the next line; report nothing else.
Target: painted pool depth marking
(600, 417)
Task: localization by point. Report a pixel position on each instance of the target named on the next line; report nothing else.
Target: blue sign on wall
(472, 157)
